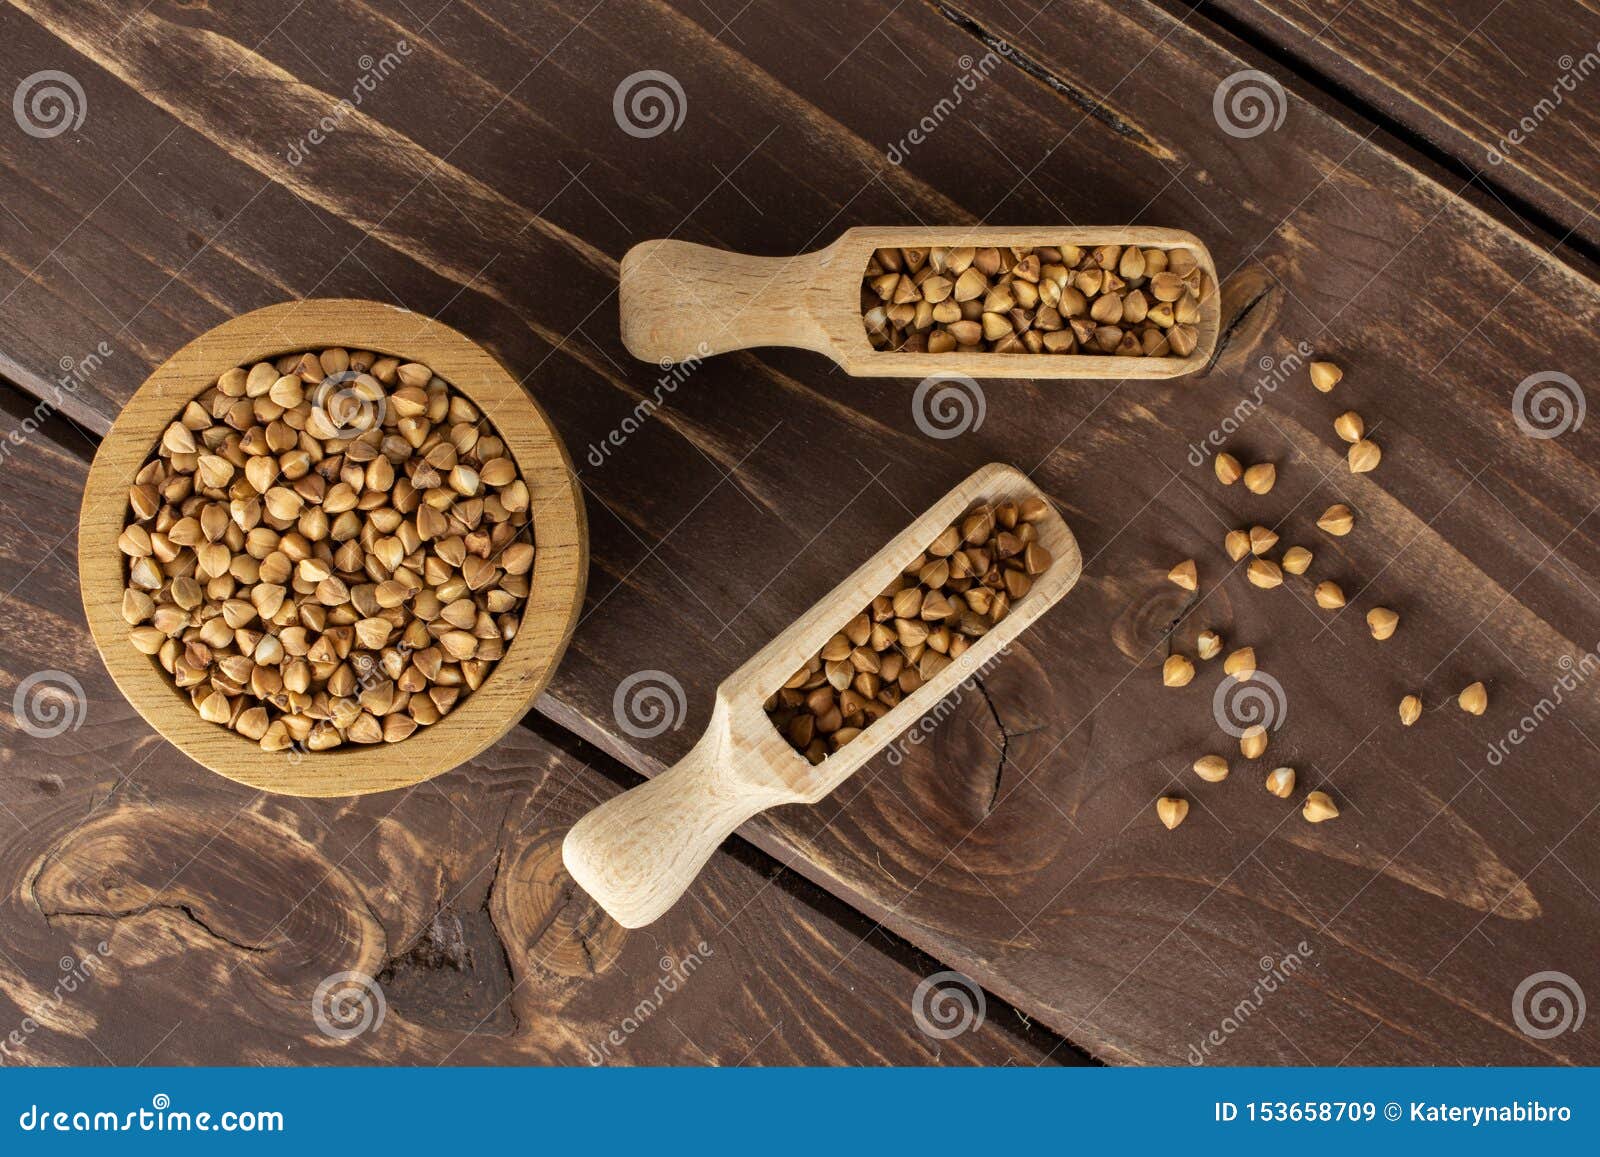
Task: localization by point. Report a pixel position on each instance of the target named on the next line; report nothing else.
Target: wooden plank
(172, 882)
(1499, 87)
(1018, 841)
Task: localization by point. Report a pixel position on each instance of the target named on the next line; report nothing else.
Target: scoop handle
(637, 853)
(680, 302)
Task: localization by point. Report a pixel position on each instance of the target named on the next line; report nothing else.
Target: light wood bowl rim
(559, 528)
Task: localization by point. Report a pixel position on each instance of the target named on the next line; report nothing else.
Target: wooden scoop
(637, 853)
(681, 301)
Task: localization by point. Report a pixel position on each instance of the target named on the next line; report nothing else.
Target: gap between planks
(1513, 210)
(1509, 209)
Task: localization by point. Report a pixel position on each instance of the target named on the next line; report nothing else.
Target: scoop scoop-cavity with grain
(1048, 299)
(946, 598)
(328, 548)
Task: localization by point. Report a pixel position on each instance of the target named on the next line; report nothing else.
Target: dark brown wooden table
(1381, 215)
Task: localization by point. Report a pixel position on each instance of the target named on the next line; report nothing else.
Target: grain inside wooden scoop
(1067, 299)
(945, 599)
(329, 548)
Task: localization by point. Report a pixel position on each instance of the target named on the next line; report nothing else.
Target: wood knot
(1141, 631)
(1251, 300)
(549, 923)
(244, 889)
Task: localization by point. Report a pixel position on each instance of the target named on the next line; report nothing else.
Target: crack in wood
(1234, 324)
(1005, 744)
(1088, 105)
(494, 929)
(185, 910)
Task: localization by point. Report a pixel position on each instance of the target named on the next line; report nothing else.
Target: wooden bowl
(560, 538)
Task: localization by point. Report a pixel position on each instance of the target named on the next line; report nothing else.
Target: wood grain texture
(638, 853)
(1502, 88)
(209, 914)
(679, 302)
(1017, 841)
(555, 514)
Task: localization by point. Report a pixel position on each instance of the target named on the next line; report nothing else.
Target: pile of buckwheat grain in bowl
(943, 601)
(328, 548)
(1106, 300)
